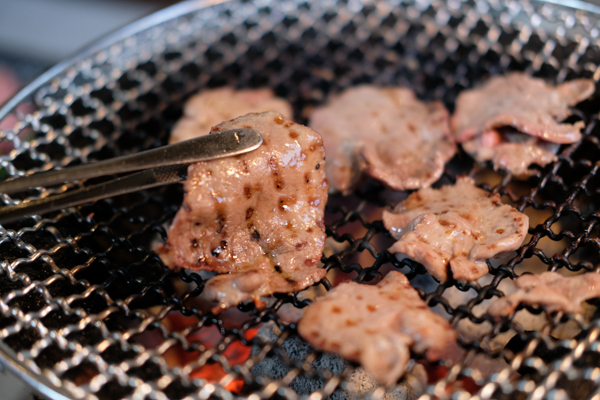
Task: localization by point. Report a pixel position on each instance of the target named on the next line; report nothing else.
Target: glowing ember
(436, 372)
(236, 353)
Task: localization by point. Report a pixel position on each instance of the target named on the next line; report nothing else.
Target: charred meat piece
(551, 290)
(213, 106)
(385, 133)
(511, 151)
(528, 104)
(257, 217)
(459, 226)
(376, 325)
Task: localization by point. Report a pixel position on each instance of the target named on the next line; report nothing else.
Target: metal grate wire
(86, 307)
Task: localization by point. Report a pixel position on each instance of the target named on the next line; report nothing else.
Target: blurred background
(36, 34)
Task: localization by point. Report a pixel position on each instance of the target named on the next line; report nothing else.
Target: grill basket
(87, 310)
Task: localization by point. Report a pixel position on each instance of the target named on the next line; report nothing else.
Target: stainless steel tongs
(161, 166)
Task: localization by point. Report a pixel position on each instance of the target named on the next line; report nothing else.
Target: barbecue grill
(87, 310)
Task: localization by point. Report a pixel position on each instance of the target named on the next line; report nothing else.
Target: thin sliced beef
(384, 133)
(511, 151)
(257, 217)
(551, 290)
(528, 104)
(458, 226)
(213, 106)
(376, 325)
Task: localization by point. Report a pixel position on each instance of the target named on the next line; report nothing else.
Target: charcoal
(275, 367)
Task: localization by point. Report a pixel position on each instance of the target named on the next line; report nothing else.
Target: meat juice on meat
(458, 226)
(376, 325)
(213, 106)
(384, 133)
(256, 219)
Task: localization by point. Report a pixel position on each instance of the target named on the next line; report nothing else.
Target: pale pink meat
(384, 133)
(551, 290)
(9, 85)
(513, 152)
(458, 226)
(376, 325)
(213, 106)
(257, 217)
(528, 104)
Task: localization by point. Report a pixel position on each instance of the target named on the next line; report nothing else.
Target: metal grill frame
(421, 47)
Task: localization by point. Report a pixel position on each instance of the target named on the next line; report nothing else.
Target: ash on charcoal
(413, 383)
(359, 383)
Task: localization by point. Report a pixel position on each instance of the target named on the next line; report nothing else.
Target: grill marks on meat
(385, 133)
(459, 226)
(257, 217)
(530, 107)
(551, 290)
(213, 106)
(376, 325)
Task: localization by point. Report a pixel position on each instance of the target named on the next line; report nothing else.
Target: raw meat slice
(551, 290)
(257, 217)
(385, 133)
(213, 106)
(528, 104)
(511, 151)
(459, 226)
(376, 325)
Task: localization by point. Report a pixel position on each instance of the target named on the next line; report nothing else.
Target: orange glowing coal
(236, 353)
(436, 372)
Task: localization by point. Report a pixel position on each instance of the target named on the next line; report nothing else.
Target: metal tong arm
(172, 161)
(217, 145)
(130, 183)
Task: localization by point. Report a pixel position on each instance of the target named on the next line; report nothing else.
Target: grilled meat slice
(385, 133)
(213, 106)
(528, 104)
(511, 151)
(459, 226)
(257, 217)
(551, 290)
(376, 325)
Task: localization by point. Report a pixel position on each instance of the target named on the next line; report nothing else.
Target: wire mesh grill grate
(86, 305)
